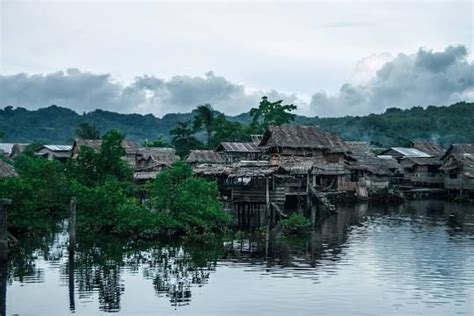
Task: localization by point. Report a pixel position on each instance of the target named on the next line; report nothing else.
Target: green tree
(160, 142)
(226, 131)
(39, 195)
(93, 168)
(191, 202)
(87, 131)
(183, 139)
(205, 119)
(271, 113)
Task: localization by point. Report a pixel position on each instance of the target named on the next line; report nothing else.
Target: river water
(414, 259)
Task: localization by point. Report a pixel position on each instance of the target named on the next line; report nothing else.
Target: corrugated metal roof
(239, 147)
(6, 147)
(411, 152)
(58, 147)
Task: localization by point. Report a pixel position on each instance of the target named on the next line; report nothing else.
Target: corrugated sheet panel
(239, 147)
(411, 152)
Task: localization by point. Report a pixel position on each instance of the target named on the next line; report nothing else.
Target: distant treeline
(57, 125)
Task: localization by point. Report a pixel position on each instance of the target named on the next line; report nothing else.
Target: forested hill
(446, 124)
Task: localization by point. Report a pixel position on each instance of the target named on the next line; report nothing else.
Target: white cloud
(424, 78)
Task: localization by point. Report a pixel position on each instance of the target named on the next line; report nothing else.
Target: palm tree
(205, 119)
(183, 139)
(87, 131)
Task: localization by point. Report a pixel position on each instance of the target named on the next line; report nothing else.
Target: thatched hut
(296, 140)
(130, 148)
(152, 160)
(17, 149)
(54, 152)
(423, 171)
(458, 167)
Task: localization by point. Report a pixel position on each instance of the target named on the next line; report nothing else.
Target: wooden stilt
(72, 223)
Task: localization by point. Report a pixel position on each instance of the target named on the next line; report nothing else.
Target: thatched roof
(359, 148)
(303, 165)
(429, 147)
(239, 147)
(456, 149)
(204, 156)
(158, 155)
(294, 164)
(17, 149)
(211, 169)
(297, 136)
(130, 147)
(243, 169)
(420, 161)
(329, 169)
(6, 170)
(252, 169)
(460, 156)
(376, 165)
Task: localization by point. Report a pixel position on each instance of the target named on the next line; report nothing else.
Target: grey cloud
(425, 78)
(78, 90)
(83, 91)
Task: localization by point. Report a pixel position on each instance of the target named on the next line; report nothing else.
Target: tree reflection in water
(95, 270)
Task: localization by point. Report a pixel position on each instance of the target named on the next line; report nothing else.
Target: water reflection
(420, 253)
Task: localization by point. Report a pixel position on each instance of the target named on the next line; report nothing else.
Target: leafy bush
(295, 224)
(39, 195)
(192, 202)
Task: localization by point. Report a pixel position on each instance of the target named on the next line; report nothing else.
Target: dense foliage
(192, 202)
(106, 196)
(56, 125)
(39, 195)
(271, 113)
(295, 224)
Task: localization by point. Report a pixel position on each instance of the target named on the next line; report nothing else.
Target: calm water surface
(368, 260)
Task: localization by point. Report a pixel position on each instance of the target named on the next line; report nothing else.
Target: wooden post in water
(72, 223)
(308, 184)
(267, 203)
(3, 254)
(72, 247)
(3, 229)
(71, 267)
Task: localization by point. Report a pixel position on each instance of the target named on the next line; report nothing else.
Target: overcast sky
(329, 58)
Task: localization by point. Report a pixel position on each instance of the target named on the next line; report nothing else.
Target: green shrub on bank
(295, 224)
(39, 195)
(191, 202)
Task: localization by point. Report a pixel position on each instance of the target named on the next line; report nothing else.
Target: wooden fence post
(72, 223)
